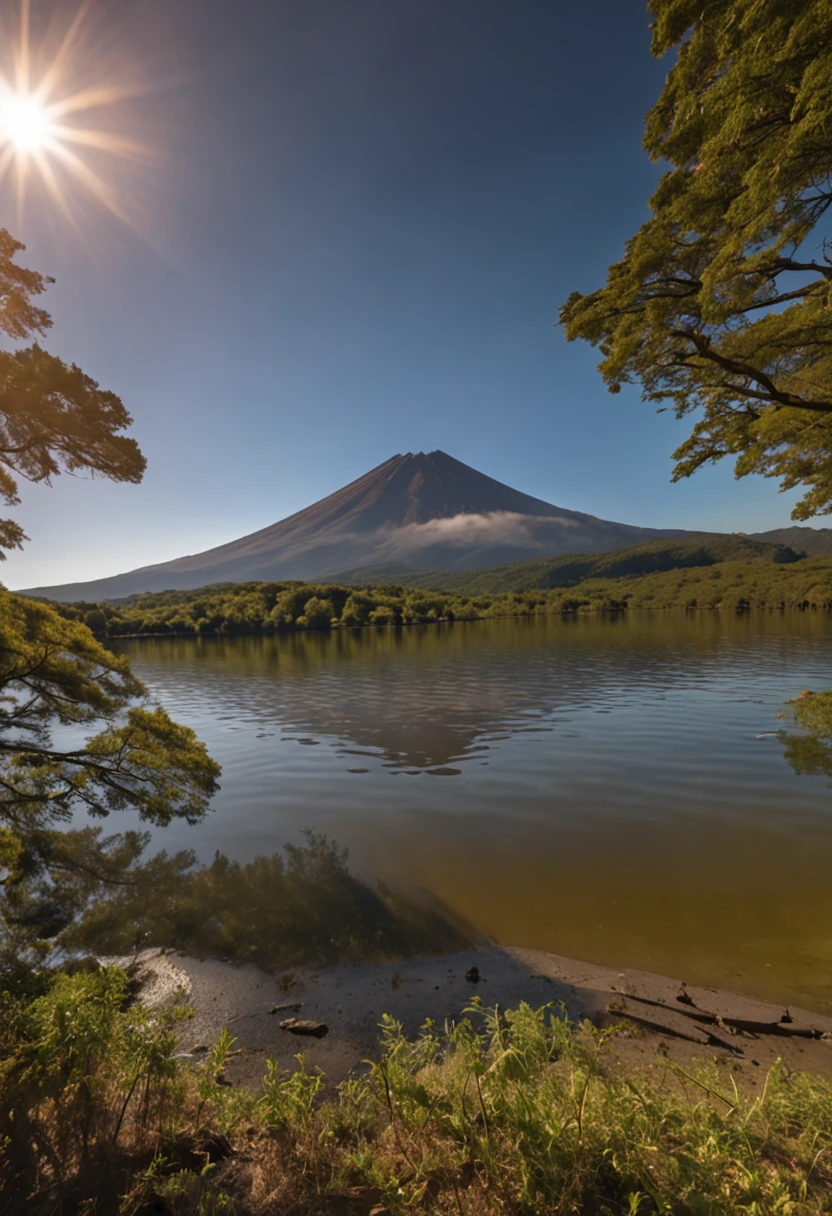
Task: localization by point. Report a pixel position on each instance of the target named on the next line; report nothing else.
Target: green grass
(517, 1112)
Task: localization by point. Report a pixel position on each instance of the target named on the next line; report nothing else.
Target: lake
(593, 786)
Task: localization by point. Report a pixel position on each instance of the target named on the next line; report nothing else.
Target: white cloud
(470, 531)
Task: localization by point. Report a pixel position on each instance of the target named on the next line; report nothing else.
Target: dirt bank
(745, 1035)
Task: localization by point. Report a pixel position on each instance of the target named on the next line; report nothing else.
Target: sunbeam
(40, 143)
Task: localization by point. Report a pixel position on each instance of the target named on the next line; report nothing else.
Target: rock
(472, 975)
(316, 1030)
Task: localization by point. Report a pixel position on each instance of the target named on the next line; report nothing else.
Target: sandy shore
(350, 1000)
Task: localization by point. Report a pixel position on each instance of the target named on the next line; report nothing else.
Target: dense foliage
(721, 303)
(649, 557)
(727, 572)
(53, 417)
(58, 682)
(503, 1112)
(725, 585)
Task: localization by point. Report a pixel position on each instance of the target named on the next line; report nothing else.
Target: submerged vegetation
(725, 572)
(513, 1112)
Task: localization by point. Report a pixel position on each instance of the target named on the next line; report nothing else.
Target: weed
(506, 1111)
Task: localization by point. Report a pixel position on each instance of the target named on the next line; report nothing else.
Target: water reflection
(429, 697)
(299, 907)
(591, 786)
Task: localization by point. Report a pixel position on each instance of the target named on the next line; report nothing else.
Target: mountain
(816, 542)
(414, 511)
(546, 573)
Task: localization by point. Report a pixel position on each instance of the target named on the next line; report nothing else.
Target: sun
(47, 141)
(24, 122)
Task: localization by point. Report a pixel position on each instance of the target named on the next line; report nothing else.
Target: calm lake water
(592, 786)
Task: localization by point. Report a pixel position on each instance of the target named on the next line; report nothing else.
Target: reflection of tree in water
(432, 695)
(301, 906)
(811, 752)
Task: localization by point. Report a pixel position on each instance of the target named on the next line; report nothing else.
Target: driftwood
(749, 1026)
(674, 1025)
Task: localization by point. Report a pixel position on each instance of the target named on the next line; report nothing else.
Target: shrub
(385, 614)
(317, 614)
(516, 1111)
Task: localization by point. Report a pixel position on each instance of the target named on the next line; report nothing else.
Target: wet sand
(350, 1000)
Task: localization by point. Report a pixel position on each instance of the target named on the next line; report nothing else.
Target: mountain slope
(650, 557)
(425, 510)
(816, 542)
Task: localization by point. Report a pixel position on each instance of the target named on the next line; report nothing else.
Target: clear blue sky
(356, 237)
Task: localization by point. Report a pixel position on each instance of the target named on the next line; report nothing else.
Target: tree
(53, 674)
(57, 683)
(722, 304)
(55, 677)
(53, 417)
(317, 614)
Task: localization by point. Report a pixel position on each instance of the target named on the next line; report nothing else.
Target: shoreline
(467, 620)
(741, 1033)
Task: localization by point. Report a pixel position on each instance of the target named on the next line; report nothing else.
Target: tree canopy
(54, 674)
(77, 729)
(722, 304)
(55, 681)
(53, 417)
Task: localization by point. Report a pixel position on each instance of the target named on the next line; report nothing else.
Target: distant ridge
(816, 542)
(423, 510)
(545, 573)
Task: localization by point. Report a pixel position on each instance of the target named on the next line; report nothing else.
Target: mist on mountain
(426, 510)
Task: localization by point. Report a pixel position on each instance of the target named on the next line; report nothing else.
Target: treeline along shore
(729, 573)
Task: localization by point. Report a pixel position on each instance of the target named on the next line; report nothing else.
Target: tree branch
(738, 368)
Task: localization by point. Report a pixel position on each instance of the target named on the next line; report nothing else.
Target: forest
(731, 574)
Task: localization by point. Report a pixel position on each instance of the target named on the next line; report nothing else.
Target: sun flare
(46, 98)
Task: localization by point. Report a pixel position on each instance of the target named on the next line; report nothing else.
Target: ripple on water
(651, 801)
